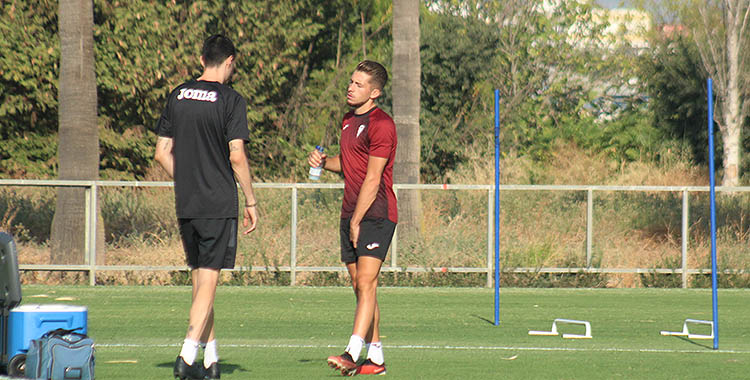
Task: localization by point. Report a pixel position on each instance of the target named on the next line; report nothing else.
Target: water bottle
(315, 172)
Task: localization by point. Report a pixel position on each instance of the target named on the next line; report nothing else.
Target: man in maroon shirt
(368, 214)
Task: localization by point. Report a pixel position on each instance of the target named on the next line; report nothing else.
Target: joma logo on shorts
(202, 95)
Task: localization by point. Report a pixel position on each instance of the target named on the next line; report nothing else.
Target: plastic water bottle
(315, 171)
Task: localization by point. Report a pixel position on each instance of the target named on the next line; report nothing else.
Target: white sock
(354, 348)
(210, 355)
(189, 351)
(375, 352)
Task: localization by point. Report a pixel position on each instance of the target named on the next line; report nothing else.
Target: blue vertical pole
(497, 207)
(714, 301)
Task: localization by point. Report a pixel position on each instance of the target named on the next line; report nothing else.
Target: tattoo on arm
(234, 147)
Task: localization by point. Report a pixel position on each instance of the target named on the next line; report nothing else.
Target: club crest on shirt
(360, 129)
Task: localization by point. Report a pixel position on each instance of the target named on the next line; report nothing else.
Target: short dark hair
(378, 74)
(216, 49)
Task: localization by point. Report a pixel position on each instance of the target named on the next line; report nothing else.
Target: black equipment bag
(10, 289)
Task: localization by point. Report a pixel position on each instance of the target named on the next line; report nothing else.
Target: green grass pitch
(429, 333)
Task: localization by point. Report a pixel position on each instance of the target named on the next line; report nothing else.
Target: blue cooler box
(27, 322)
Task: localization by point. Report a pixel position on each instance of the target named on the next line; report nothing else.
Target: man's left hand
(354, 233)
(250, 215)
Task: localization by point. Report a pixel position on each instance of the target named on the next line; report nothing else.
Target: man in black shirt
(201, 144)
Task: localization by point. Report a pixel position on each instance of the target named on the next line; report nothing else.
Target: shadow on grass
(483, 318)
(710, 347)
(224, 367)
(332, 373)
(311, 361)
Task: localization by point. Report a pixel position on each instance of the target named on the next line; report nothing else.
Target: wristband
(251, 205)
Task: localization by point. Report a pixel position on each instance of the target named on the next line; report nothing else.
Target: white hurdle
(587, 335)
(686, 332)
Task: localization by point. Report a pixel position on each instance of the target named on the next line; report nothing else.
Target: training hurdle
(686, 332)
(586, 335)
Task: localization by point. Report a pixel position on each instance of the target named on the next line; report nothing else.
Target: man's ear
(375, 93)
(203, 62)
(229, 60)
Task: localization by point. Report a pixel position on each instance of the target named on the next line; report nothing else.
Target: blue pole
(497, 207)
(714, 301)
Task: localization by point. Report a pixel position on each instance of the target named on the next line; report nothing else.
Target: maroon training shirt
(370, 134)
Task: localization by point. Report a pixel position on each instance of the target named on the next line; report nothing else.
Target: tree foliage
(295, 59)
(28, 87)
(676, 86)
(716, 32)
(545, 62)
(138, 70)
(314, 112)
(721, 38)
(144, 48)
(455, 56)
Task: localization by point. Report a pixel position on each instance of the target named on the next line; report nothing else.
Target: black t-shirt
(201, 118)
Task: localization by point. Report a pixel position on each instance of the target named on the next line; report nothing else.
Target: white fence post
(394, 242)
(293, 243)
(92, 213)
(685, 235)
(87, 226)
(490, 235)
(589, 224)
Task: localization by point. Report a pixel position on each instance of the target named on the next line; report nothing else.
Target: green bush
(138, 214)
(258, 278)
(27, 214)
(554, 280)
(663, 280)
(724, 281)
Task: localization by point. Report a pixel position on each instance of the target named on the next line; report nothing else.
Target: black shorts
(374, 239)
(209, 243)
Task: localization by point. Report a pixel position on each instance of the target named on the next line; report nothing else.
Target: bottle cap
(319, 148)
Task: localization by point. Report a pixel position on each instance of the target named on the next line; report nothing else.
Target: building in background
(625, 26)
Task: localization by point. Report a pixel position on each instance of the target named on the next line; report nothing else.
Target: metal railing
(92, 187)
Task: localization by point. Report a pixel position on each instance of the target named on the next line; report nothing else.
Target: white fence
(92, 187)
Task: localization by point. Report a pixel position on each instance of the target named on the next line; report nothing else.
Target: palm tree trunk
(406, 102)
(78, 148)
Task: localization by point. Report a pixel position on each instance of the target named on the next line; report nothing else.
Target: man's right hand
(316, 158)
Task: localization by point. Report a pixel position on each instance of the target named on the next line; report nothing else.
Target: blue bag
(61, 355)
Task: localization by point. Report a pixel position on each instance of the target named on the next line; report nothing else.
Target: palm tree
(406, 90)
(78, 147)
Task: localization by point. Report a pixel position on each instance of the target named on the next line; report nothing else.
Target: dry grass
(538, 229)
(634, 230)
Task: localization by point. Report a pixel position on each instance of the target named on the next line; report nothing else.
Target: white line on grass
(455, 348)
